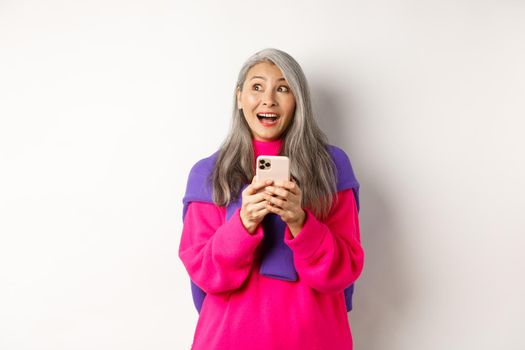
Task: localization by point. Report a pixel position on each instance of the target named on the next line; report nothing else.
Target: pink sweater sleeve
(328, 255)
(218, 255)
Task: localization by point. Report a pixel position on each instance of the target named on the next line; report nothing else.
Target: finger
(257, 198)
(261, 213)
(257, 185)
(248, 191)
(278, 191)
(256, 212)
(250, 188)
(276, 201)
(252, 197)
(254, 187)
(291, 186)
(273, 209)
(254, 208)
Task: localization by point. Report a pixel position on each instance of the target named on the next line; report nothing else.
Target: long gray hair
(303, 142)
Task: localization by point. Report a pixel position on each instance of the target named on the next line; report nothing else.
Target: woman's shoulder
(339, 156)
(345, 173)
(198, 186)
(199, 176)
(336, 151)
(204, 165)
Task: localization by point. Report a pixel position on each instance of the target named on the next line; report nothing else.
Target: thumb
(250, 190)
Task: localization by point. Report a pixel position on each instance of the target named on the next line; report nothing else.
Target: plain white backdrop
(105, 106)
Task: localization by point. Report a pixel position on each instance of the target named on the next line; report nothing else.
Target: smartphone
(275, 168)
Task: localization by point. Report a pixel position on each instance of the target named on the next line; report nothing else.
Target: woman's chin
(266, 136)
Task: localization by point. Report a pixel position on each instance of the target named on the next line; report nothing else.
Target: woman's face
(266, 101)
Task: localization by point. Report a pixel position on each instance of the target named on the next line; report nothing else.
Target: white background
(105, 105)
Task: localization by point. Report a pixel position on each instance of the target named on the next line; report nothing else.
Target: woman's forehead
(264, 70)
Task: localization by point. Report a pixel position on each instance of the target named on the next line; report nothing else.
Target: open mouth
(268, 118)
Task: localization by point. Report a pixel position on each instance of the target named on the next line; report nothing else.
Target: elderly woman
(272, 264)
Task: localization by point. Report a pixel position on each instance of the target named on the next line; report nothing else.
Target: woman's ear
(239, 104)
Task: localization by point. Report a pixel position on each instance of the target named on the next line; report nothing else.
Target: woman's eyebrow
(263, 78)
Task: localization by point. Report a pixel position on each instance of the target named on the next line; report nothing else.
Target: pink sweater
(246, 310)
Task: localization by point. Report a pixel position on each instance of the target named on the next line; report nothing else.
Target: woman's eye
(257, 87)
(283, 88)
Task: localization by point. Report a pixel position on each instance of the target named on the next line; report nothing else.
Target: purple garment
(277, 257)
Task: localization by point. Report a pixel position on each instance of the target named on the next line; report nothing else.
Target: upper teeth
(267, 115)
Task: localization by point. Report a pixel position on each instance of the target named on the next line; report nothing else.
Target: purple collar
(277, 257)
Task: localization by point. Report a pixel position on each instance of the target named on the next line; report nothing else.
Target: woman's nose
(269, 98)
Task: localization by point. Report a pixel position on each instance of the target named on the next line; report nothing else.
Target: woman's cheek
(252, 97)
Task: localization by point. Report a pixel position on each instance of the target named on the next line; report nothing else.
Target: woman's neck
(269, 148)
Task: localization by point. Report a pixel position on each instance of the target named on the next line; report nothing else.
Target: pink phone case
(275, 168)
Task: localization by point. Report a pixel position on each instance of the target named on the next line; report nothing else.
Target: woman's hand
(253, 209)
(284, 199)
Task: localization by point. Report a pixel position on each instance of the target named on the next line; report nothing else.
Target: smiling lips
(268, 119)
